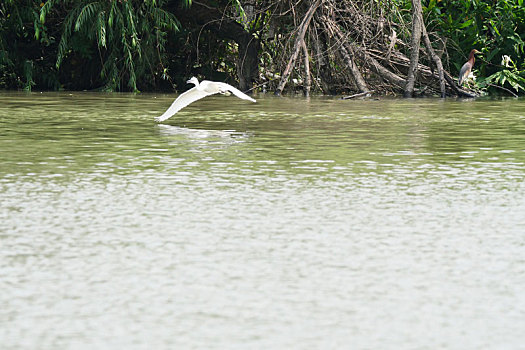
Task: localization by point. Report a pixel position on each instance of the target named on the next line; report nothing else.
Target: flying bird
(200, 90)
(467, 67)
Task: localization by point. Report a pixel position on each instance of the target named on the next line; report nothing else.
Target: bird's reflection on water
(177, 134)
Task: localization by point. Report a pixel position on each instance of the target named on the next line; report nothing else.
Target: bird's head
(474, 51)
(193, 80)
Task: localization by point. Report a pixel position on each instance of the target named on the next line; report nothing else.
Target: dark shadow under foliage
(345, 47)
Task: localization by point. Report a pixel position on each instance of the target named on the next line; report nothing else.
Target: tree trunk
(380, 70)
(209, 17)
(307, 81)
(354, 70)
(437, 62)
(247, 62)
(297, 46)
(417, 19)
(323, 66)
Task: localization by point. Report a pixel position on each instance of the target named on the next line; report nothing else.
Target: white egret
(200, 90)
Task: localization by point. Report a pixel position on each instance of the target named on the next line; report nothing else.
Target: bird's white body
(202, 89)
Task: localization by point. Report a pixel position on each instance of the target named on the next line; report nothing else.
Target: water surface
(288, 223)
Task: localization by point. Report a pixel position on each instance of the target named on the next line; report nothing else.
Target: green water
(288, 223)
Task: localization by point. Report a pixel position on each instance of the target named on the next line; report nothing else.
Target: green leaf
(466, 24)
(101, 29)
(85, 15)
(491, 54)
(37, 31)
(495, 27)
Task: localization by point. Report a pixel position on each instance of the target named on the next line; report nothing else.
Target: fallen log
(366, 93)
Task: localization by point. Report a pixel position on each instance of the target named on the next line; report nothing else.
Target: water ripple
(281, 225)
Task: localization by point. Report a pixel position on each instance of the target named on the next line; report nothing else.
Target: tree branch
(297, 46)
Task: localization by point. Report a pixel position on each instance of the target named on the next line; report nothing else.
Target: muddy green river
(284, 224)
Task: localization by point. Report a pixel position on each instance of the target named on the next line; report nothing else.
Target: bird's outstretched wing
(182, 101)
(235, 91)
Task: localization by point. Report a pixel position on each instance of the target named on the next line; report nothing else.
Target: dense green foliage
(20, 51)
(78, 44)
(131, 45)
(496, 28)
(123, 39)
